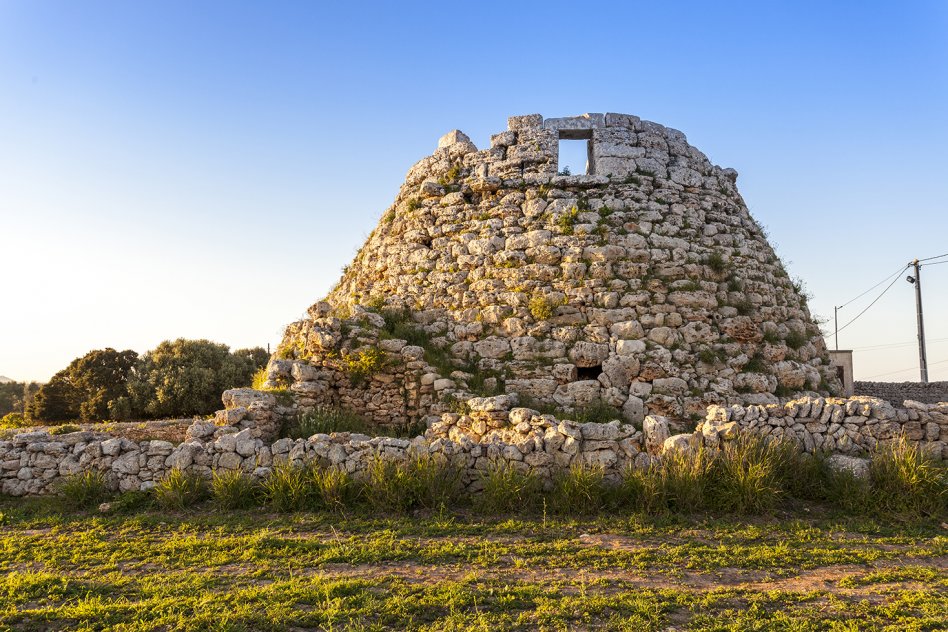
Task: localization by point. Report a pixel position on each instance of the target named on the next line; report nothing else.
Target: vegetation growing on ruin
(362, 364)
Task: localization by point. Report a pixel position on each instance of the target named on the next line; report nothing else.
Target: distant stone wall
(841, 426)
(492, 431)
(897, 392)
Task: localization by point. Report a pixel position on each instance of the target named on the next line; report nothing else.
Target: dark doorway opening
(588, 372)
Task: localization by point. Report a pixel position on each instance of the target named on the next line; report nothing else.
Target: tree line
(178, 378)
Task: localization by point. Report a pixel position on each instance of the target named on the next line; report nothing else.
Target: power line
(896, 273)
(937, 263)
(893, 345)
(930, 258)
(912, 368)
(888, 287)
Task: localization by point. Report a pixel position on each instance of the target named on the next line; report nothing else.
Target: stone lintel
(527, 121)
(586, 121)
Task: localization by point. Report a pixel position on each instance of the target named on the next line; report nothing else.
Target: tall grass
(326, 420)
(422, 482)
(582, 489)
(84, 490)
(332, 488)
(287, 487)
(506, 488)
(907, 482)
(750, 474)
(233, 489)
(179, 490)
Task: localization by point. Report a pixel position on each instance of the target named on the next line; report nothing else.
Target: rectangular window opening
(573, 158)
(575, 152)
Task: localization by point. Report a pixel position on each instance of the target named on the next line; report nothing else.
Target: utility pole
(917, 282)
(836, 325)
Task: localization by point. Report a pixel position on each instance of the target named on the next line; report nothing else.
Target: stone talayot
(645, 284)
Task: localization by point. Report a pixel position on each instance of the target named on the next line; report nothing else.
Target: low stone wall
(842, 426)
(493, 430)
(898, 392)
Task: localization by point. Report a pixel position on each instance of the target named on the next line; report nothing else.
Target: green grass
(206, 569)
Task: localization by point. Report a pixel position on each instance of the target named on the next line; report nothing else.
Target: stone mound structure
(644, 285)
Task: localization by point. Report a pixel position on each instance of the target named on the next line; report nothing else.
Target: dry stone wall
(897, 392)
(645, 284)
(843, 426)
(493, 431)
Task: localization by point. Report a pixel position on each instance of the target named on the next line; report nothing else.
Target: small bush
(541, 308)
(232, 489)
(259, 379)
(580, 490)
(566, 221)
(597, 411)
(413, 204)
(179, 490)
(14, 420)
(363, 364)
(756, 364)
(795, 340)
(716, 262)
(906, 482)
(507, 489)
(286, 488)
(326, 420)
(85, 490)
(64, 429)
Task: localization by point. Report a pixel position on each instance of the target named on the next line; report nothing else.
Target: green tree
(54, 401)
(85, 388)
(186, 377)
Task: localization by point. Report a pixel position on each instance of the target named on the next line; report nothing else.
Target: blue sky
(205, 169)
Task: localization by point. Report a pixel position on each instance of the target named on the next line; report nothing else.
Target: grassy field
(205, 570)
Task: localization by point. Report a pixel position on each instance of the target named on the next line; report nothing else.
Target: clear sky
(205, 169)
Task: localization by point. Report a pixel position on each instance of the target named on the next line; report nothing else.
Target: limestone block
(656, 431)
(856, 466)
(587, 354)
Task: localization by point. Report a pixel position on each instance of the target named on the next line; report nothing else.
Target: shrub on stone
(541, 308)
(85, 490)
(362, 364)
(180, 489)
